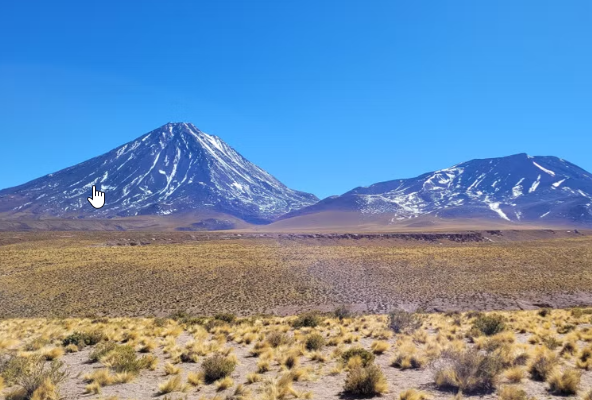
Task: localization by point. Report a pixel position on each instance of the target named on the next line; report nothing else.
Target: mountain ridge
(179, 170)
(174, 168)
(517, 188)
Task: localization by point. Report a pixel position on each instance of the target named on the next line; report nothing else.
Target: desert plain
(252, 315)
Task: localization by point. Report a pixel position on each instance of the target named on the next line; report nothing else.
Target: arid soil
(67, 274)
(317, 374)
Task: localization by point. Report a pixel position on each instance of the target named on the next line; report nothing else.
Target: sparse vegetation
(413, 394)
(217, 367)
(512, 393)
(279, 358)
(366, 381)
(81, 339)
(543, 363)
(179, 264)
(489, 325)
(34, 378)
(365, 356)
(308, 320)
(564, 383)
(342, 312)
(299, 356)
(314, 341)
(402, 321)
(467, 370)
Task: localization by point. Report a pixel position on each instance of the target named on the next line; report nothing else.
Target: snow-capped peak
(172, 169)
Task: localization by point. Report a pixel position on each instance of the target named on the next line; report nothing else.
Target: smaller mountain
(518, 189)
(173, 170)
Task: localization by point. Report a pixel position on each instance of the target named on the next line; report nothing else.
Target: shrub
(467, 370)
(543, 312)
(489, 325)
(564, 383)
(226, 317)
(366, 381)
(407, 358)
(212, 324)
(100, 351)
(124, 359)
(217, 367)
(564, 329)
(512, 393)
(291, 361)
(180, 315)
(366, 356)
(551, 342)
(542, 365)
(308, 320)
(314, 341)
(342, 312)
(35, 377)
(577, 312)
(12, 368)
(82, 339)
(403, 322)
(36, 344)
(276, 339)
(585, 358)
(569, 347)
(160, 322)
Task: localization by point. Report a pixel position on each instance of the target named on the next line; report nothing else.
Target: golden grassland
(65, 275)
(521, 355)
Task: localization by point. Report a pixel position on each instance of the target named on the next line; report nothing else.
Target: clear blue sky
(325, 95)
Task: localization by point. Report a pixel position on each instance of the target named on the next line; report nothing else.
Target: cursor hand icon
(98, 198)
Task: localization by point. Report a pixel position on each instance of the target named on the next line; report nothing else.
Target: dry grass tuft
(380, 347)
(515, 374)
(468, 371)
(512, 393)
(407, 357)
(403, 322)
(217, 367)
(366, 381)
(585, 359)
(195, 379)
(170, 369)
(224, 383)
(359, 355)
(174, 384)
(314, 341)
(564, 383)
(542, 364)
(413, 394)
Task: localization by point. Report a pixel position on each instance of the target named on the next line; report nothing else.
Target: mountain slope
(514, 189)
(173, 169)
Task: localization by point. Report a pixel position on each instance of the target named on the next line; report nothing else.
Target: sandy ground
(322, 387)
